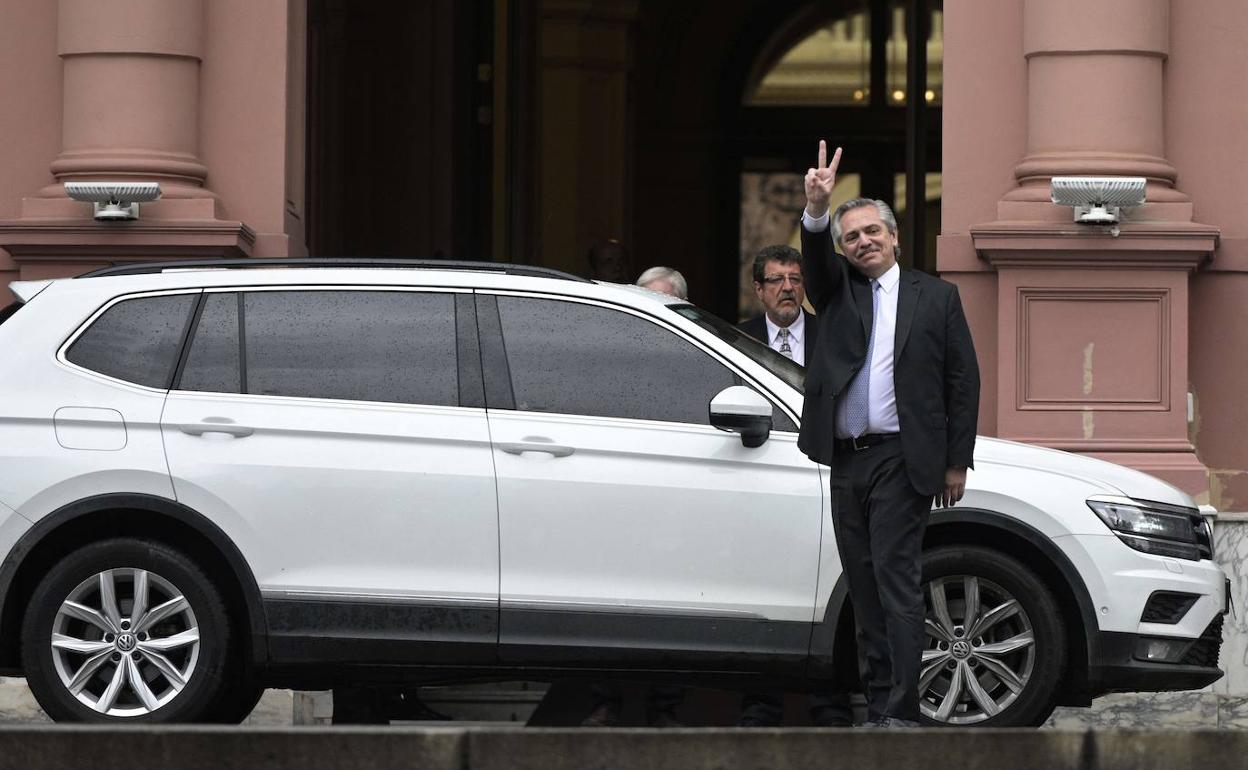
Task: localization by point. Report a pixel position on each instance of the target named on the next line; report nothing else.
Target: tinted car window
(214, 363)
(582, 359)
(136, 340)
(359, 345)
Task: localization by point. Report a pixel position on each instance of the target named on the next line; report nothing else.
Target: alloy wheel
(125, 642)
(980, 653)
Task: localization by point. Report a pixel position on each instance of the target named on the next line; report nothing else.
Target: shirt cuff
(815, 224)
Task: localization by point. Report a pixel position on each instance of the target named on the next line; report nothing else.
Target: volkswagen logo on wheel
(126, 642)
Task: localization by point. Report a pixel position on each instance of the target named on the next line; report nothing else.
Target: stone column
(130, 111)
(1093, 321)
(1094, 87)
(131, 92)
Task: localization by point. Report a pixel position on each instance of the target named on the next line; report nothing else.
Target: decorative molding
(1157, 246)
(1027, 400)
(88, 241)
(1139, 447)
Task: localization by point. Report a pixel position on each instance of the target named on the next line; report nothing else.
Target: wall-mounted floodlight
(114, 200)
(1098, 200)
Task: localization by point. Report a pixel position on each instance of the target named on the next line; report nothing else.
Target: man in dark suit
(892, 400)
(784, 325)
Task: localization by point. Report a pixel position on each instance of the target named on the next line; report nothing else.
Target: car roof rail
(148, 268)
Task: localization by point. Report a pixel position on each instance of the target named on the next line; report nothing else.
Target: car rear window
(136, 340)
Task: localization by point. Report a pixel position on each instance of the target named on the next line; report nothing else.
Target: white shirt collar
(889, 280)
(797, 329)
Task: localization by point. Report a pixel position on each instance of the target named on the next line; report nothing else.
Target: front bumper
(1121, 669)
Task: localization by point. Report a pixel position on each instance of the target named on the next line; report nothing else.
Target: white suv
(214, 480)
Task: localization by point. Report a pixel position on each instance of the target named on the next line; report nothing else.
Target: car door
(631, 531)
(338, 436)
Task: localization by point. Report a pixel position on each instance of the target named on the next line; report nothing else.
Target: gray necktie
(857, 402)
(783, 334)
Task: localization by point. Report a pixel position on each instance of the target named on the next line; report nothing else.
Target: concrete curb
(201, 748)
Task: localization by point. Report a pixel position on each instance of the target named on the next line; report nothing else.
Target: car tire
(995, 643)
(238, 699)
(91, 655)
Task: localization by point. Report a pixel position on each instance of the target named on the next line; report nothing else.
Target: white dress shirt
(881, 396)
(797, 337)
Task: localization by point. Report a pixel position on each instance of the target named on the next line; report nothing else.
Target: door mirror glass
(739, 409)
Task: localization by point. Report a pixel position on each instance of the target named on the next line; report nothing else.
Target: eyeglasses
(777, 280)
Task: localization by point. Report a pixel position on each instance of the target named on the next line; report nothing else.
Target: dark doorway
(399, 133)
(849, 72)
(732, 99)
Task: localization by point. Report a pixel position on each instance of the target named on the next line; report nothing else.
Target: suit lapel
(907, 301)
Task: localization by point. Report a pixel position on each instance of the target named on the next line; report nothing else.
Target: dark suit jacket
(757, 328)
(935, 374)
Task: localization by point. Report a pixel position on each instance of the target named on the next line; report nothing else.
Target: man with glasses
(778, 285)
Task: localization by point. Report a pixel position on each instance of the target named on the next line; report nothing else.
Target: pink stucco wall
(1202, 131)
(985, 93)
(147, 88)
(243, 115)
(1207, 128)
(31, 84)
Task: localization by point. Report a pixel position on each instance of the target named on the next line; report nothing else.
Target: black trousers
(879, 520)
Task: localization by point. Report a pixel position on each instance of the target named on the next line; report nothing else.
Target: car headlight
(1153, 527)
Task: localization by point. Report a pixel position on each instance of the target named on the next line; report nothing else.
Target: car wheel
(126, 630)
(995, 643)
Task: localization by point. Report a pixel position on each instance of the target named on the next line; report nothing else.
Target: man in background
(784, 325)
(664, 280)
(608, 261)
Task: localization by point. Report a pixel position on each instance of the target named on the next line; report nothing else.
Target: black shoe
(890, 723)
(895, 722)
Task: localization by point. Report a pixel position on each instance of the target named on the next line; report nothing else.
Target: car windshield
(779, 365)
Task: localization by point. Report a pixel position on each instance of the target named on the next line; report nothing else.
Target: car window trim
(184, 349)
(776, 401)
(63, 350)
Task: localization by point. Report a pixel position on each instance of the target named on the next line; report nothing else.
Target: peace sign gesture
(819, 181)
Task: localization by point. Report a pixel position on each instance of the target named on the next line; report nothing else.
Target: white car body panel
(338, 497)
(40, 474)
(656, 515)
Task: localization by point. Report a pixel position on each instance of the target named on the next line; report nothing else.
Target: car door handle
(201, 428)
(520, 447)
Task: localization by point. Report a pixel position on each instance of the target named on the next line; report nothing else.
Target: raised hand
(820, 180)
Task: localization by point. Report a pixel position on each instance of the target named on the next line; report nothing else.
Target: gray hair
(672, 276)
(886, 213)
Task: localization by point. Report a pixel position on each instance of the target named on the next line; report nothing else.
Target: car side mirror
(739, 409)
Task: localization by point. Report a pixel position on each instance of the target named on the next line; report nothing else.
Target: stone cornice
(1160, 245)
(87, 240)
